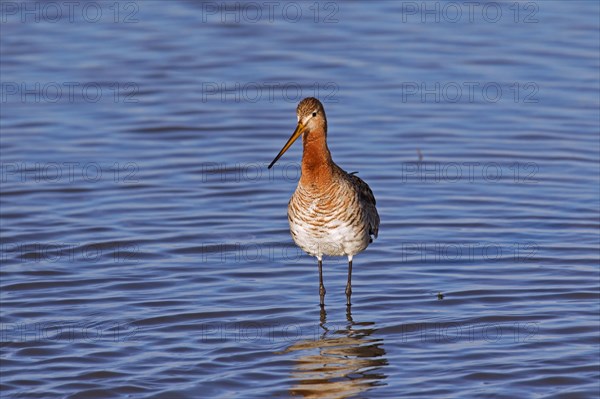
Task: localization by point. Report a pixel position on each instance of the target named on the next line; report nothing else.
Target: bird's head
(311, 116)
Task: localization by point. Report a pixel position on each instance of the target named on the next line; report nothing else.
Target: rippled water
(145, 246)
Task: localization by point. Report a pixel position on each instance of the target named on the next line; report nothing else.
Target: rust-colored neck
(317, 166)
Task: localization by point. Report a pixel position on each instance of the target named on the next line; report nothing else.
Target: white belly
(333, 238)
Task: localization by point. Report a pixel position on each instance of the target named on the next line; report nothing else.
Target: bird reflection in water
(341, 363)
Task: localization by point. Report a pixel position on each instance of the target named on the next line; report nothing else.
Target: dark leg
(349, 285)
(349, 316)
(321, 286)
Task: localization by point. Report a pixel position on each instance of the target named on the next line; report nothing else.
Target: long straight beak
(295, 135)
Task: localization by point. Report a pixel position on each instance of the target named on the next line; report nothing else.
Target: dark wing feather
(367, 198)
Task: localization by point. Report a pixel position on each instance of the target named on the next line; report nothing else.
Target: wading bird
(332, 212)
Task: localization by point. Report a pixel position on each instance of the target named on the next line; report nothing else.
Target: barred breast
(338, 219)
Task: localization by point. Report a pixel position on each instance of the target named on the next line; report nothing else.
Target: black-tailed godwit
(332, 212)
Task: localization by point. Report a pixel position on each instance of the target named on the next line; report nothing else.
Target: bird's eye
(314, 114)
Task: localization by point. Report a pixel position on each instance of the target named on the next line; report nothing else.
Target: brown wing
(368, 200)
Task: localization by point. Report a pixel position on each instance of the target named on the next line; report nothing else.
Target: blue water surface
(145, 246)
